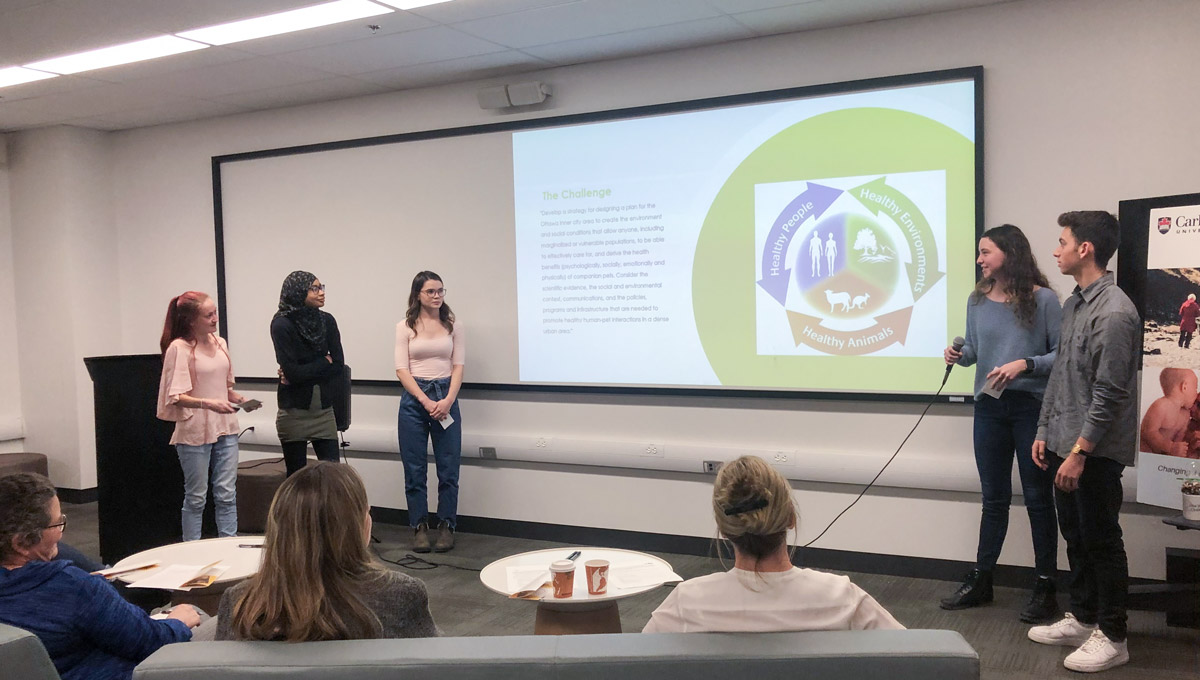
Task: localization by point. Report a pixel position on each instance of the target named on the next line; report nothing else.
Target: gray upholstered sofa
(892, 655)
(23, 656)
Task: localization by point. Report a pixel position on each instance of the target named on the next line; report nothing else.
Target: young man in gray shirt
(1087, 434)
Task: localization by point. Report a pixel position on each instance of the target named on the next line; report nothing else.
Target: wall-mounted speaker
(516, 94)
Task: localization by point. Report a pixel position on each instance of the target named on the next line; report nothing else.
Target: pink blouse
(429, 358)
(186, 371)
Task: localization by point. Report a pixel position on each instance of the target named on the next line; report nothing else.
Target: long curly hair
(414, 303)
(1019, 271)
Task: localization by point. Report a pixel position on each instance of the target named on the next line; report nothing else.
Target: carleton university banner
(1167, 296)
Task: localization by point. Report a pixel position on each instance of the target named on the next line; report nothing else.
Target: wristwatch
(1028, 365)
(1078, 449)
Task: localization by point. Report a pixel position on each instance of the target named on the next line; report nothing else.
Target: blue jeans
(220, 460)
(1003, 426)
(415, 428)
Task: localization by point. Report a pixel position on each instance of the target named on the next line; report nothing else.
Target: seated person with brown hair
(89, 632)
(763, 592)
(318, 579)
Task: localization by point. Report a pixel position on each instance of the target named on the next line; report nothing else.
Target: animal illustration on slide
(858, 266)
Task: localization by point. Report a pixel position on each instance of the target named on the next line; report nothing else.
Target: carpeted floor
(461, 606)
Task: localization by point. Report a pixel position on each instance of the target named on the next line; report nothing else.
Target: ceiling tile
(192, 109)
(247, 75)
(643, 41)
(456, 70)
(303, 93)
(347, 31)
(403, 49)
(584, 19)
(210, 56)
(93, 101)
(466, 10)
(734, 6)
(47, 86)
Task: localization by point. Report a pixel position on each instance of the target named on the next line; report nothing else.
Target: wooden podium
(138, 477)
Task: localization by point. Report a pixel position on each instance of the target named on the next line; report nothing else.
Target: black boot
(1043, 605)
(975, 590)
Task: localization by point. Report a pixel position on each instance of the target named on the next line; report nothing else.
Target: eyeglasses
(317, 289)
(440, 292)
(62, 524)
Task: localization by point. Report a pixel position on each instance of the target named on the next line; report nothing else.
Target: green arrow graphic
(882, 199)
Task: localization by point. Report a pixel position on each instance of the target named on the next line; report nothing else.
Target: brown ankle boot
(445, 537)
(421, 538)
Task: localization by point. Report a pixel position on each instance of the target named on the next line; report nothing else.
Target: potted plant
(1190, 491)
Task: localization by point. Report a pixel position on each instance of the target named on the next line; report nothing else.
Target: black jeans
(1089, 518)
(295, 454)
(1003, 427)
(1185, 339)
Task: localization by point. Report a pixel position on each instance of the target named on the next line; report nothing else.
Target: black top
(304, 365)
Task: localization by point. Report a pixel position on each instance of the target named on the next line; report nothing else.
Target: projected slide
(822, 244)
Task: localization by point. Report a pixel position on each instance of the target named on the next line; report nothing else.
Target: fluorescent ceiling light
(411, 4)
(286, 22)
(16, 75)
(117, 55)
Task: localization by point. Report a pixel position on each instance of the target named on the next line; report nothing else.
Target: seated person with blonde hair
(318, 579)
(1165, 424)
(763, 592)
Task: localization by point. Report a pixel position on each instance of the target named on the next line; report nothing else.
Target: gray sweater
(399, 600)
(995, 337)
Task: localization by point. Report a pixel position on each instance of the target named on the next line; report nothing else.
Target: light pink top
(429, 358)
(186, 371)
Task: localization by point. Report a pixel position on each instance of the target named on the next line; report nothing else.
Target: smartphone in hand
(249, 405)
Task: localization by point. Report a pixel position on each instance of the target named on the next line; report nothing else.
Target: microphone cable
(867, 488)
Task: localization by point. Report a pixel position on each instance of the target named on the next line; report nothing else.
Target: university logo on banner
(1175, 244)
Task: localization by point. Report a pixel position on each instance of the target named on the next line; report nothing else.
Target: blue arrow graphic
(811, 203)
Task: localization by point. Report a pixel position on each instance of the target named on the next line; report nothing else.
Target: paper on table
(520, 576)
(640, 575)
(178, 576)
(128, 569)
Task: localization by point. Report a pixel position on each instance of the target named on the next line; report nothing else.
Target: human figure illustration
(830, 251)
(1187, 320)
(814, 248)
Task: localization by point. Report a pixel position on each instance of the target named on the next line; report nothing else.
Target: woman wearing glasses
(196, 393)
(430, 350)
(85, 626)
(308, 348)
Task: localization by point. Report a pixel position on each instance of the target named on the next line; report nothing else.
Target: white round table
(242, 554)
(580, 613)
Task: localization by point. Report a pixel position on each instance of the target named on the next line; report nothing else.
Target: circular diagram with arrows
(777, 302)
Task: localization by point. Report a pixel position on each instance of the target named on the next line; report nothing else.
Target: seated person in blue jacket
(89, 632)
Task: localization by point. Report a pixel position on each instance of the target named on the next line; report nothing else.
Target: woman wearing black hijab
(308, 348)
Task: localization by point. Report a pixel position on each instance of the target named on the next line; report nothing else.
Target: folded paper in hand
(181, 577)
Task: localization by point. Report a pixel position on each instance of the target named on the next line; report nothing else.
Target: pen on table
(122, 572)
(250, 545)
(573, 555)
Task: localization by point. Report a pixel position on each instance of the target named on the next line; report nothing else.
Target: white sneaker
(1068, 632)
(1097, 654)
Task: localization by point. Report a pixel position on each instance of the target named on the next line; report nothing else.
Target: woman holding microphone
(1013, 320)
(430, 351)
(196, 392)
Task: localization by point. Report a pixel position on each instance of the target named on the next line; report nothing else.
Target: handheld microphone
(957, 345)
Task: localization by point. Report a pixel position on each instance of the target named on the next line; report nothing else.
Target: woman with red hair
(196, 392)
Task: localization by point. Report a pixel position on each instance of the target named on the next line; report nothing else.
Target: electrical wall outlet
(487, 452)
(654, 450)
(541, 443)
(782, 458)
(711, 466)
